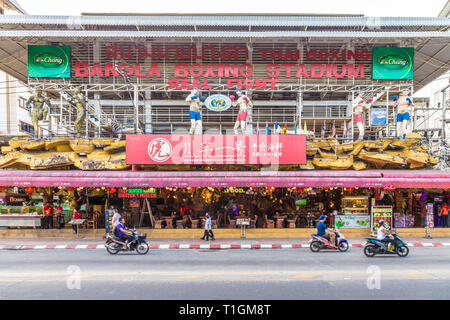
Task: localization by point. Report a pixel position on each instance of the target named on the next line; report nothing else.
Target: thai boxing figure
(196, 101)
(244, 104)
(359, 107)
(404, 106)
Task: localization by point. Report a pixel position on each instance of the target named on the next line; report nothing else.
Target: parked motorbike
(374, 246)
(318, 243)
(114, 244)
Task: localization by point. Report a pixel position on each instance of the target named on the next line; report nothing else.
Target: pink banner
(216, 149)
(182, 179)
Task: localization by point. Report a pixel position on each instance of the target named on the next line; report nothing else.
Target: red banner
(216, 149)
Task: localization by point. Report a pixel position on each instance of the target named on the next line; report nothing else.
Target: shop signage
(392, 63)
(137, 193)
(352, 221)
(378, 116)
(218, 102)
(234, 190)
(49, 61)
(16, 199)
(214, 62)
(381, 213)
(12, 199)
(216, 149)
(134, 203)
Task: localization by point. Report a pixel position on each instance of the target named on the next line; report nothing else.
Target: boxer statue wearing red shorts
(359, 106)
(244, 104)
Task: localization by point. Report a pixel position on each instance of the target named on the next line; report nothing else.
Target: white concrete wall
(11, 112)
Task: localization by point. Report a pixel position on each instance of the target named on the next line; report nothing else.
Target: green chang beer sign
(392, 63)
(49, 61)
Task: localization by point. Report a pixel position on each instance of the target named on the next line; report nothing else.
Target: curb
(198, 246)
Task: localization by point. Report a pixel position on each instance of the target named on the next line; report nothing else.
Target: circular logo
(159, 149)
(218, 102)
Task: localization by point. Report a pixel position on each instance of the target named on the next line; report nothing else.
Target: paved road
(224, 274)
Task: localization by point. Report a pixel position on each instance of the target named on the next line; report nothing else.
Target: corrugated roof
(216, 34)
(232, 20)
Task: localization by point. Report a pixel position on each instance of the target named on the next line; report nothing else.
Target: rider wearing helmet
(382, 234)
(323, 231)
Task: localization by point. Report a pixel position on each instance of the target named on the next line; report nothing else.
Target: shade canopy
(184, 179)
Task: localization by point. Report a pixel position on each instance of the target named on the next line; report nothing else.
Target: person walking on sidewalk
(444, 214)
(208, 228)
(59, 217)
(48, 215)
(76, 215)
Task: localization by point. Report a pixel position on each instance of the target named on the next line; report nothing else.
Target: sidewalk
(260, 243)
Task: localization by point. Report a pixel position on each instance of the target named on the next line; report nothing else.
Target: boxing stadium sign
(393, 63)
(49, 61)
(218, 102)
(224, 63)
(215, 149)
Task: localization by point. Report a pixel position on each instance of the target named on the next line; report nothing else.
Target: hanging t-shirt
(444, 209)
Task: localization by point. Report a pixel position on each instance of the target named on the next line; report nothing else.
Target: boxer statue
(39, 111)
(359, 106)
(79, 101)
(195, 102)
(244, 104)
(404, 105)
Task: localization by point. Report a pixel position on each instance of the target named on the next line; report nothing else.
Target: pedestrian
(48, 215)
(444, 214)
(208, 228)
(59, 217)
(76, 215)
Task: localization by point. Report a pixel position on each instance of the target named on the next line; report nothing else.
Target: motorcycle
(114, 244)
(318, 243)
(374, 246)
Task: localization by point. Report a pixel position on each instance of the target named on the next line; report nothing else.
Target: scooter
(318, 243)
(114, 244)
(374, 246)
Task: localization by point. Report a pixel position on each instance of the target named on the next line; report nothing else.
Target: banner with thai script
(352, 221)
(216, 149)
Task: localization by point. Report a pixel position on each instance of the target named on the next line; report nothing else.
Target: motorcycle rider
(124, 233)
(323, 231)
(382, 234)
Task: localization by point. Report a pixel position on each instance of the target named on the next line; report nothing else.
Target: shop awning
(183, 179)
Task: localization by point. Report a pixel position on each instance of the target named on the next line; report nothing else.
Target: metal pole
(60, 112)
(300, 109)
(387, 113)
(86, 114)
(353, 123)
(444, 112)
(136, 108)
